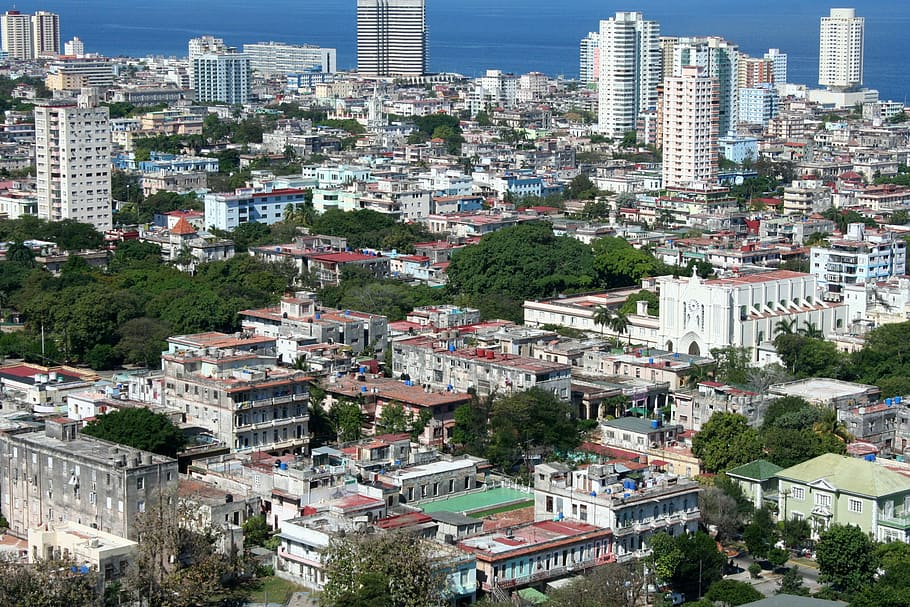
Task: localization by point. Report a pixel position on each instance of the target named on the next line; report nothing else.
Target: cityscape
(277, 332)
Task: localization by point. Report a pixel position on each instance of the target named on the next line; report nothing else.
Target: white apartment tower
(840, 52)
(46, 33)
(391, 37)
(690, 128)
(73, 160)
(280, 58)
(17, 35)
(629, 71)
(218, 73)
(778, 65)
(720, 59)
(74, 47)
(589, 58)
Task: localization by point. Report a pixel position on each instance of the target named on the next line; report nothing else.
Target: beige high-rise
(690, 129)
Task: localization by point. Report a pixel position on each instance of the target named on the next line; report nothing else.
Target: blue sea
(470, 36)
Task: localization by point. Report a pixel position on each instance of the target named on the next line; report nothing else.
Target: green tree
(731, 593)
(665, 556)
(404, 562)
(720, 511)
(142, 340)
(791, 582)
(619, 264)
(393, 419)
(140, 428)
(846, 558)
(255, 531)
(778, 557)
(760, 534)
(471, 432)
(631, 304)
(580, 188)
(48, 583)
(612, 585)
(701, 566)
(731, 364)
(726, 441)
(794, 532)
(348, 421)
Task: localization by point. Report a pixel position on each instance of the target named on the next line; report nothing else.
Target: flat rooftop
(533, 536)
(821, 388)
(476, 502)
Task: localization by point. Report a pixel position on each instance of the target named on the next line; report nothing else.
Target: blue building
(227, 211)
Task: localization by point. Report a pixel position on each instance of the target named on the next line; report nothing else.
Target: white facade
(859, 258)
(589, 58)
(73, 163)
(74, 47)
(690, 128)
(697, 315)
(224, 77)
(391, 37)
(280, 58)
(840, 52)
(720, 60)
(17, 35)
(778, 65)
(629, 71)
(758, 105)
(46, 33)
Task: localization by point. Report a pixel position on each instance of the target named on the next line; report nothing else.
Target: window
(855, 505)
(798, 493)
(140, 506)
(140, 483)
(823, 499)
(549, 503)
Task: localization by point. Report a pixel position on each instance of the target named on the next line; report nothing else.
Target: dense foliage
(140, 428)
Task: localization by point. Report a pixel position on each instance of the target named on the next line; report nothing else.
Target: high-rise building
(278, 58)
(391, 37)
(720, 59)
(589, 58)
(690, 128)
(629, 71)
(667, 47)
(840, 51)
(73, 161)
(17, 35)
(778, 65)
(74, 47)
(754, 71)
(46, 33)
(758, 104)
(218, 73)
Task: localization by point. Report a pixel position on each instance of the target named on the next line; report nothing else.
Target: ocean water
(470, 36)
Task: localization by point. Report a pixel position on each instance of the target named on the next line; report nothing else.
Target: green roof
(790, 600)
(849, 475)
(533, 596)
(758, 470)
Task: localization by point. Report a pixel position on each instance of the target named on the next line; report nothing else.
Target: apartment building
(232, 388)
(272, 58)
(391, 37)
(249, 205)
(606, 497)
(74, 73)
(73, 162)
(861, 256)
(840, 54)
(58, 475)
(439, 364)
(690, 128)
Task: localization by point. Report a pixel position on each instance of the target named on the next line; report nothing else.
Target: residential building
(697, 315)
(690, 129)
(391, 37)
(536, 553)
(758, 104)
(232, 388)
(778, 65)
(719, 60)
(758, 481)
(638, 433)
(838, 489)
(438, 364)
(693, 407)
(44, 390)
(446, 477)
(840, 52)
(273, 58)
(630, 65)
(59, 475)
(73, 162)
(606, 496)
(222, 77)
(108, 554)
(828, 393)
(861, 256)
(754, 71)
(74, 47)
(250, 205)
(76, 73)
(18, 41)
(589, 58)
(46, 34)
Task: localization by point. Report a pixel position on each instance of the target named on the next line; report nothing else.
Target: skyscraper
(720, 59)
(46, 33)
(391, 37)
(73, 161)
(589, 58)
(840, 51)
(629, 71)
(17, 35)
(690, 128)
(778, 65)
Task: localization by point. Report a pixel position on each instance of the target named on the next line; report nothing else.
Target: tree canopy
(846, 558)
(726, 441)
(140, 428)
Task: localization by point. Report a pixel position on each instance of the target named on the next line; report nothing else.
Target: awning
(638, 410)
(657, 462)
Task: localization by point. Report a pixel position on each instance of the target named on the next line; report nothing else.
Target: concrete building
(249, 205)
(840, 52)
(607, 497)
(391, 37)
(222, 77)
(758, 105)
(829, 393)
(273, 58)
(73, 162)
(589, 58)
(757, 481)
(698, 315)
(108, 554)
(859, 257)
(17, 34)
(74, 47)
(778, 65)
(59, 475)
(46, 34)
(719, 59)
(630, 65)
(232, 388)
(76, 73)
(690, 129)
(437, 479)
(638, 434)
(838, 489)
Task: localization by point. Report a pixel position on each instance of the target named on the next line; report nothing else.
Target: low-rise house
(837, 489)
(829, 393)
(638, 433)
(43, 389)
(758, 481)
(108, 554)
(442, 478)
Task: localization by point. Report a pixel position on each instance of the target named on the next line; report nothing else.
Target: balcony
(273, 423)
(553, 573)
(268, 402)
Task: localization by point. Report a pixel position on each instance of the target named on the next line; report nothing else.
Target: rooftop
(758, 470)
(534, 536)
(849, 475)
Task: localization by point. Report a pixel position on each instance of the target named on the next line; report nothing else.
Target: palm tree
(602, 316)
(810, 330)
(785, 326)
(619, 323)
(828, 424)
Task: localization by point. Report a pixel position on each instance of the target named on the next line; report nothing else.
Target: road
(768, 582)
